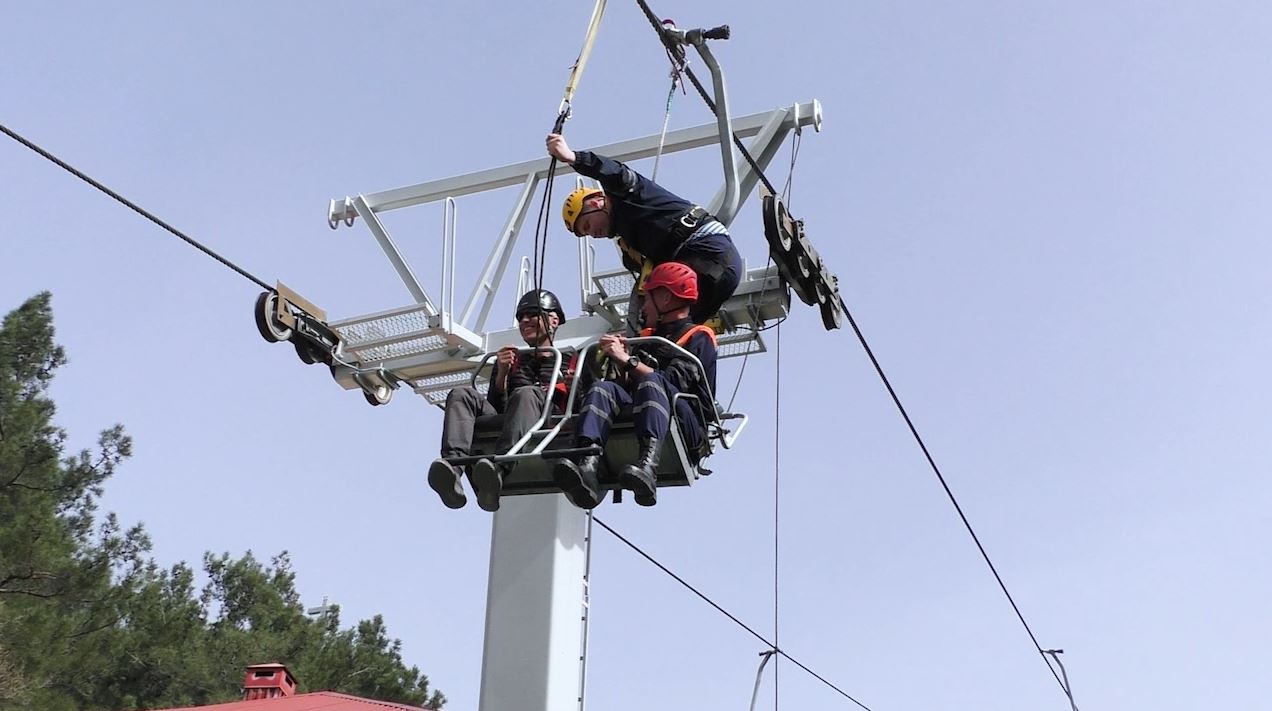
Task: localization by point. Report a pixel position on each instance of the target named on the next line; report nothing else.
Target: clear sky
(1049, 218)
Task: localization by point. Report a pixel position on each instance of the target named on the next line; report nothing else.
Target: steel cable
(134, 207)
(668, 42)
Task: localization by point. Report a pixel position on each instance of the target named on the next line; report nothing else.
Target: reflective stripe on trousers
(651, 409)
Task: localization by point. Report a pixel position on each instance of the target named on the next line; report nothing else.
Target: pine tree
(88, 621)
(63, 576)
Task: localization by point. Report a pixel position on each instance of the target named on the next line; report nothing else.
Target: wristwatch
(632, 362)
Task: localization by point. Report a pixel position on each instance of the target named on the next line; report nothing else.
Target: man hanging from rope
(652, 221)
(649, 381)
(518, 390)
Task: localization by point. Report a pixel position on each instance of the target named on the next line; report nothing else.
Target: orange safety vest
(684, 337)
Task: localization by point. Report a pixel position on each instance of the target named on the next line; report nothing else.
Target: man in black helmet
(518, 390)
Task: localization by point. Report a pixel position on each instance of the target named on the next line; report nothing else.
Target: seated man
(671, 290)
(518, 390)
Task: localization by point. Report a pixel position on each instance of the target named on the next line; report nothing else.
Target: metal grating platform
(391, 334)
(386, 325)
(434, 354)
(408, 342)
(435, 388)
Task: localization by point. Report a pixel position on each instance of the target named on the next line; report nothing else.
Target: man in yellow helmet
(651, 220)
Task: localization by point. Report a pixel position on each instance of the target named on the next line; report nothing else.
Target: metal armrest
(728, 437)
(547, 404)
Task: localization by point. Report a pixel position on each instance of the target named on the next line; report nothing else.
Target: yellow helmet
(573, 206)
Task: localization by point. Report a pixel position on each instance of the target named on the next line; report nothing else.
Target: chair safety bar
(547, 408)
(712, 418)
(716, 420)
(681, 352)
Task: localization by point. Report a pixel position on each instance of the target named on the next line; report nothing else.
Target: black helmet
(540, 300)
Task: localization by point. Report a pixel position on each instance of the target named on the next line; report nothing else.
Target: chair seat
(533, 475)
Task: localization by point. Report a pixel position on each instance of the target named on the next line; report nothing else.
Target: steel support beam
(497, 262)
(680, 140)
(730, 202)
(395, 257)
(762, 148)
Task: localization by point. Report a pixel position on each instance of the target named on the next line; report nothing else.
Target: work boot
(578, 481)
(641, 477)
(445, 478)
(488, 481)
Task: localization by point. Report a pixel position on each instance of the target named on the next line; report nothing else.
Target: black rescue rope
(134, 207)
(539, 259)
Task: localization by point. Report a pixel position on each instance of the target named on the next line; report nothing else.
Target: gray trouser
(464, 405)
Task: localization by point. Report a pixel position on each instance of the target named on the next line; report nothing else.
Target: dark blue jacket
(642, 212)
(683, 374)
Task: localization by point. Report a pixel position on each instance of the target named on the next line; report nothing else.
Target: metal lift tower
(537, 596)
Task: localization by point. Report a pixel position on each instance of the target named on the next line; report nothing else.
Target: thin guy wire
(777, 489)
(786, 198)
(741, 372)
(725, 612)
(790, 175)
(134, 207)
(746, 355)
(879, 369)
(677, 67)
(662, 137)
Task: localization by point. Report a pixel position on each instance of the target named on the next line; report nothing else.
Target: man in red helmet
(650, 378)
(652, 222)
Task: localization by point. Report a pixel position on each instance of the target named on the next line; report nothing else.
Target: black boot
(488, 481)
(642, 477)
(444, 478)
(578, 481)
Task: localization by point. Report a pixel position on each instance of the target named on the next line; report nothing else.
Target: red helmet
(676, 277)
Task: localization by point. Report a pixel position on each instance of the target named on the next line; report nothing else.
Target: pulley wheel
(270, 329)
(307, 353)
(380, 396)
(831, 316)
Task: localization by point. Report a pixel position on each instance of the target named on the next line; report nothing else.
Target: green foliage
(88, 621)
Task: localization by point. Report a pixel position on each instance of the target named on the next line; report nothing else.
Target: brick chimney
(267, 681)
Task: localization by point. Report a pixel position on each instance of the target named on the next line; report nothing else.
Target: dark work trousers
(464, 405)
(719, 268)
(651, 410)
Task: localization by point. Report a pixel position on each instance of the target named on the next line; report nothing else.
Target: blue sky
(1049, 219)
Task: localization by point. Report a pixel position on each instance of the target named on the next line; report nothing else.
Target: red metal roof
(316, 701)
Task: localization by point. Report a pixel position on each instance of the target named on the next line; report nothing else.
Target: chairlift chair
(535, 454)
